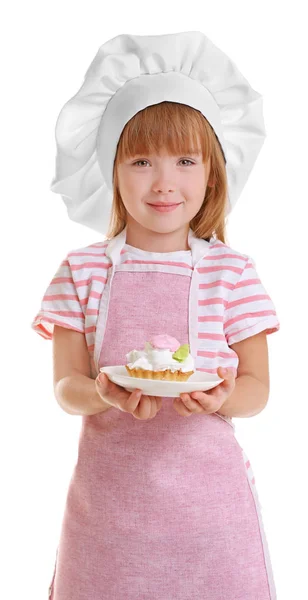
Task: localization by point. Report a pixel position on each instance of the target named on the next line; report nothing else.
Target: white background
(46, 50)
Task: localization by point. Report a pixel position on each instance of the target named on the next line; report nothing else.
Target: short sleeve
(60, 305)
(249, 309)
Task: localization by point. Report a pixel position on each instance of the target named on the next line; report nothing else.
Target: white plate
(198, 382)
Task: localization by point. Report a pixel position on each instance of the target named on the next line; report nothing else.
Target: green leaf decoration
(181, 353)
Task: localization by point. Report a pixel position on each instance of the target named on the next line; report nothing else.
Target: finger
(151, 403)
(226, 374)
(191, 404)
(154, 406)
(109, 391)
(132, 402)
(107, 387)
(202, 397)
(225, 387)
(181, 408)
(206, 401)
(143, 410)
(155, 403)
(158, 401)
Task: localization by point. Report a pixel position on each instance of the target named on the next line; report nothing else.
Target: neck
(151, 241)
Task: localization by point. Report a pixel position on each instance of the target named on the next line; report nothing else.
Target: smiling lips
(164, 207)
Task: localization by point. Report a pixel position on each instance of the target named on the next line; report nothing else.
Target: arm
(74, 389)
(251, 391)
(77, 395)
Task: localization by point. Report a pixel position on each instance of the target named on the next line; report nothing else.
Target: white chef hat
(129, 73)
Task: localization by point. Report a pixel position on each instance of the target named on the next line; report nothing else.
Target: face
(162, 193)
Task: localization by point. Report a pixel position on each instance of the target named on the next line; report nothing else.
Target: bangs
(170, 127)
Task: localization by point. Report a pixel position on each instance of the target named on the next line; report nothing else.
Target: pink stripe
(91, 329)
(211, 336)
(156, 262)
(84, 254)
(220, 268)
(91, 311)
(85, 282)
(210, 301)
(247, 464)
(211, 319)
(42, 331)
(219, 256)
(90, 265)
(214, 371)
(247, 282)
(208, 354)
(218, 244)
(60, 297)
(248, 299)
(56, 322)
(267, 329)
(98, 278)
(125, 251)
(218, 283)
(262, 313)
(67, 313)
(62, 280)
(80, 283)
(72, 297)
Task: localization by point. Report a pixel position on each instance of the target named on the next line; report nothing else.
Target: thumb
(224, 373)
(102, 381)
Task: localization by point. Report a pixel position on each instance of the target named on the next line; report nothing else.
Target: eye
(187, 160)
(139, 161)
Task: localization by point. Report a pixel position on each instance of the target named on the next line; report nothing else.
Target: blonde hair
(180, 129)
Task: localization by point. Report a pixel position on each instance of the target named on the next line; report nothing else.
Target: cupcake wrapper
(163, 375)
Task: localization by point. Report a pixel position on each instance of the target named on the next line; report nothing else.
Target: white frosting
(153, 359)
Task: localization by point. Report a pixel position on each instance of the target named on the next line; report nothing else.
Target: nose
(162, 181)
(160, 188)
(164, 191)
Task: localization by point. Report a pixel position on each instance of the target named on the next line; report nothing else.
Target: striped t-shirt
(232, 301)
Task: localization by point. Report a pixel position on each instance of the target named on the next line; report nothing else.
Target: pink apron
(162, 509)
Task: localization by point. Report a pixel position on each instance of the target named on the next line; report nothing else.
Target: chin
(164, 228)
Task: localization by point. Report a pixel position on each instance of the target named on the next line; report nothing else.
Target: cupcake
(163, 357)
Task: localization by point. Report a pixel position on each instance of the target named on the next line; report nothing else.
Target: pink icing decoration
(165, 341)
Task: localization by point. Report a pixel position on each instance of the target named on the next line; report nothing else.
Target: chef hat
(129, 73)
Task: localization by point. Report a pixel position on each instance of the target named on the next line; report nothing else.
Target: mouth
(163, 207)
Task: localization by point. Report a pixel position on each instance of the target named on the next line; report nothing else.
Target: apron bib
(163, 509)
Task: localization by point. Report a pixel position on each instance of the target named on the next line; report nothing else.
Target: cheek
(134, 206)
(136, 189)
(195, 204)
(130, 193)
(130, 205)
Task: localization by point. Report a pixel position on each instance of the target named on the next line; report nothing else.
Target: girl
(159, 506)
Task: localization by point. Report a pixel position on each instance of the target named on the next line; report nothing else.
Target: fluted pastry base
(165, 375)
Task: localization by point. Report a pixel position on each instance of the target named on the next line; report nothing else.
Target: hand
(206, 402)
(141, 407)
